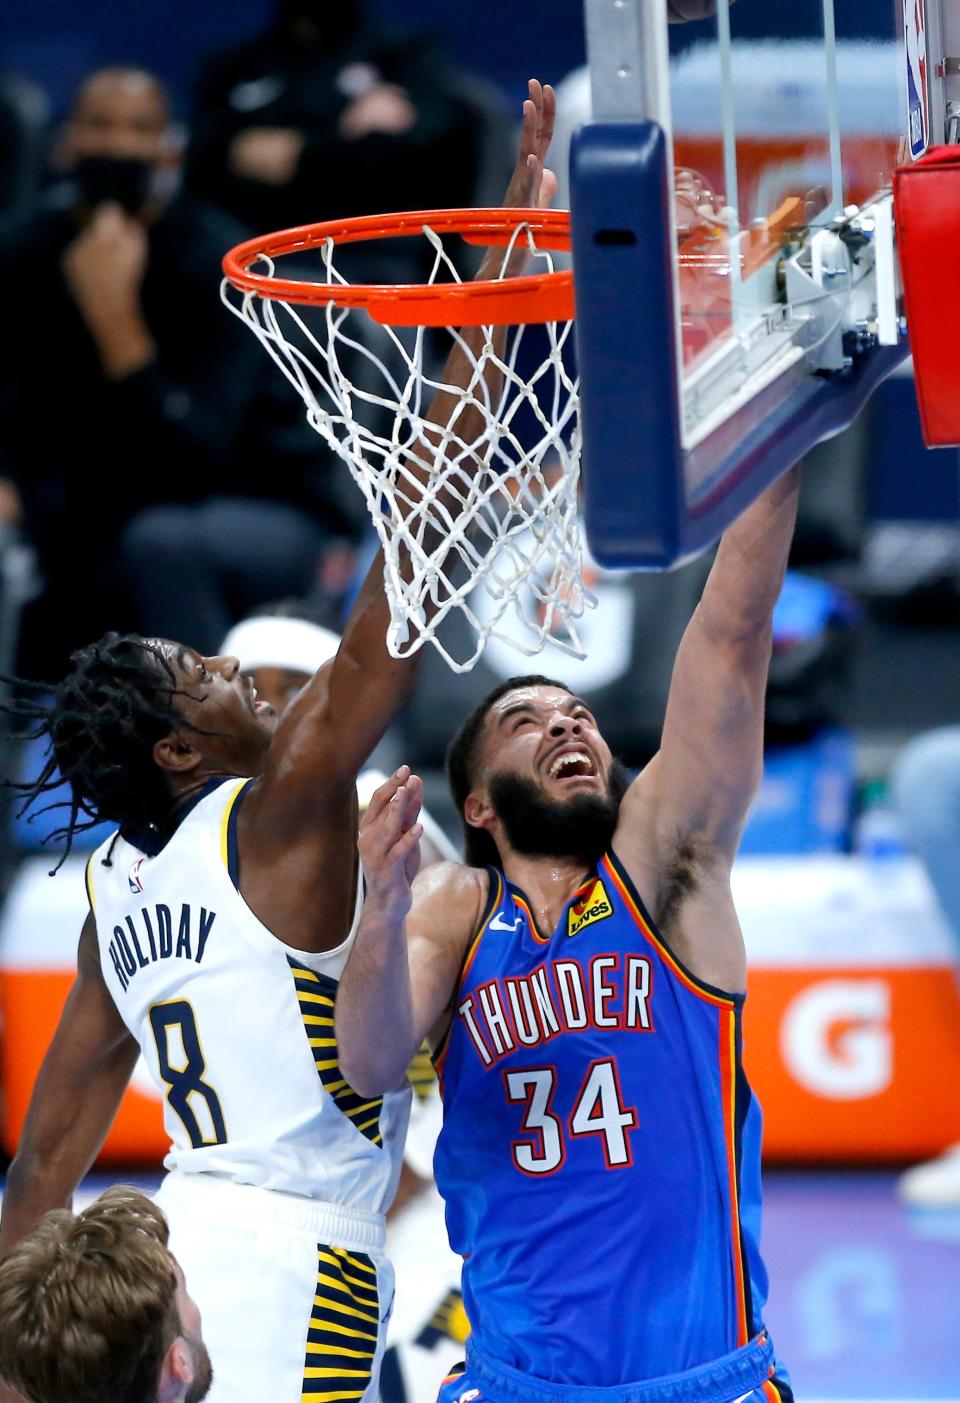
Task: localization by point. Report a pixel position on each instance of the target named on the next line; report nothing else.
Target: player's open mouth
(257, 706)
(571, 764)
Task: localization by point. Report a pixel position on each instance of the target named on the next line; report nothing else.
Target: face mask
(123, 179)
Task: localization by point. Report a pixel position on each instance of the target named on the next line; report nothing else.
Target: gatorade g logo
(594, 905)
(836, 1038)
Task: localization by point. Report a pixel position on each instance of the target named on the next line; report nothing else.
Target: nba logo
(918, 114)
(134, 878)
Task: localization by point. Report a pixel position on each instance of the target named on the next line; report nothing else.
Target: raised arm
(340, 716)
(682, 818)
(74, 1101)
(403, 969)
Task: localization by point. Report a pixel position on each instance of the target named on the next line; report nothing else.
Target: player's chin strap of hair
(275, 641)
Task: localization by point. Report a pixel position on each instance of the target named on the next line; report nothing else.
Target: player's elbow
(370, 1070)
(32, 1187)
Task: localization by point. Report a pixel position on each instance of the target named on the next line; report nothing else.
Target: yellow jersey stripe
(357, 1262)
(317, 1012)
(326, 1304)
(88, 881)
(321, 1372)
(728, 1082)
(309, 1396)
(334, 1327)
(337, 1282)
(225, 822)
(345, 1350)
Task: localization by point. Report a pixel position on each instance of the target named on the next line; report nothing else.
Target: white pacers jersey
(236, 1027)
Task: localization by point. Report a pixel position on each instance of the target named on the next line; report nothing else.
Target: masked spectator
(126, 382)
(330, 113)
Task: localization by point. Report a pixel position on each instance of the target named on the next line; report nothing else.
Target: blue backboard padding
(626, 337)
(637, 512)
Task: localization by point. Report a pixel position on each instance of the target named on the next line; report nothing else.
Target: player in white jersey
(281, 648)
(222, 911)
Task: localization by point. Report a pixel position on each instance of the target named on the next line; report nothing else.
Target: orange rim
(538, 297)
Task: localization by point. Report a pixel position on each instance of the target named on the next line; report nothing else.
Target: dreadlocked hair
(479, 849)
(106, 715)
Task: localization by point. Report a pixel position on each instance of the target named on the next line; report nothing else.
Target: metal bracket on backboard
(629, 61)
(665, 468)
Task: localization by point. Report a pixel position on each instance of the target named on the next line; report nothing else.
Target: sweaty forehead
(179, 656)
(537, 699)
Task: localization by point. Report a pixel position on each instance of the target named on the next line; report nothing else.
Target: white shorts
(294, 1295)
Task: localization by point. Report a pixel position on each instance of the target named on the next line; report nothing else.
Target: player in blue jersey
(582, 982)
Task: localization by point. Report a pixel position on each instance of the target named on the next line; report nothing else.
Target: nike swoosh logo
(498, 923)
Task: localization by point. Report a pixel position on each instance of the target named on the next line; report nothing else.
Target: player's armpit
(77, 1092)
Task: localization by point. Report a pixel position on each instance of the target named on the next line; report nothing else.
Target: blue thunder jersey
(236, 1028)
(600, 1152)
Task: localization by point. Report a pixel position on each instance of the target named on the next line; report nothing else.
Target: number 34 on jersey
(598, 1110)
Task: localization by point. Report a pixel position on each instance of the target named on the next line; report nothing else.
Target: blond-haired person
(94, 1309)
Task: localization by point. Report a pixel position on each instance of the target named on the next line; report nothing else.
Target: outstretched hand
(389, 844)
(532, 186)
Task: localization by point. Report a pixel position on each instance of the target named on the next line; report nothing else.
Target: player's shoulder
(451, 891)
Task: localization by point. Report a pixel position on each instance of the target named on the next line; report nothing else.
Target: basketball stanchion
(926, 204)
(460, 513)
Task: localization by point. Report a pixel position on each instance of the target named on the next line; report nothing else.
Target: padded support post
(626, 342)
(926, 204)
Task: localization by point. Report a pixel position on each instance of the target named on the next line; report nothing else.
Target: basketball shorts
(294, 1295)
(748, 1375)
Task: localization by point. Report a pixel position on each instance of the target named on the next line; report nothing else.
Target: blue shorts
(748, 1375)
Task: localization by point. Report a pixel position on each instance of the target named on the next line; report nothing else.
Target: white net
(475, 507)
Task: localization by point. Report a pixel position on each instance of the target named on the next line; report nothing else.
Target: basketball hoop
(464, 514)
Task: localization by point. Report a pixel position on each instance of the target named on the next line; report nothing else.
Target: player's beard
(202, 1370)
(538, 826)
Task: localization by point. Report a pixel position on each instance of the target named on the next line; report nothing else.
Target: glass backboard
(736, 280)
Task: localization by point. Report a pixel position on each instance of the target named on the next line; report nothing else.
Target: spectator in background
(926, 789)
(125, 382)
(24, 115)
(330, 113)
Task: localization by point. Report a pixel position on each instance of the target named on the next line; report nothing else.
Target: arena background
(856, 1031)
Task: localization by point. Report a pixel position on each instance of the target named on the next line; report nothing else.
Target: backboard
(737, 288)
